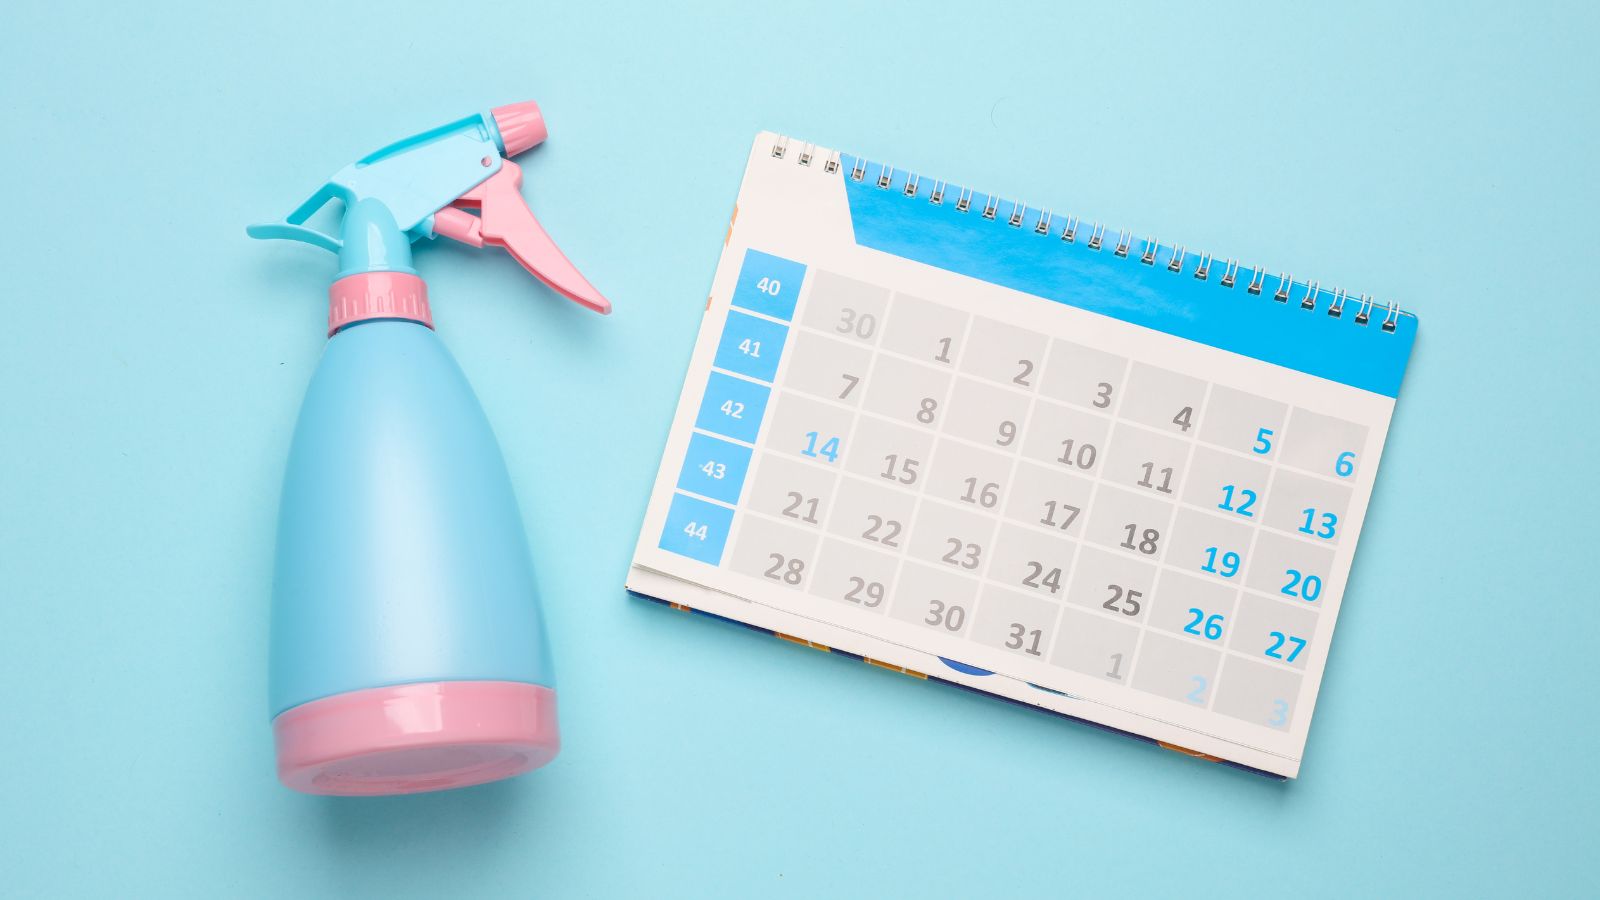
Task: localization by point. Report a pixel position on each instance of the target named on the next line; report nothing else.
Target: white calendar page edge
(699, 597)
(803, 214)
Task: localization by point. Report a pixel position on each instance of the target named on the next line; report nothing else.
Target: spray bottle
(408, 649)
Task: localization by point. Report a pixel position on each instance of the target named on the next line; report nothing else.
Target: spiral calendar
(971, 440)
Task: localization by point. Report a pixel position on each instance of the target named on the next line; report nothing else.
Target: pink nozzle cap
(521, 126)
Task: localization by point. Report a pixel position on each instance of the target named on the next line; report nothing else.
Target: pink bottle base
(411, 738)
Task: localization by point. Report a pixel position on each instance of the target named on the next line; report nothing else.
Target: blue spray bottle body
(408, 647)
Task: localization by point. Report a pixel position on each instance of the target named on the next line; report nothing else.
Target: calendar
(975, 441)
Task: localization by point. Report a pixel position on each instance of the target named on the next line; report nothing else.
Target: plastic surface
(413, 178)
(404, 192)
(416, 737)
(507, 222)
(377, 295)
(520, 126)
(401, 554)
(458, 225)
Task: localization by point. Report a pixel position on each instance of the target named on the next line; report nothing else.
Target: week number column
(711, 480)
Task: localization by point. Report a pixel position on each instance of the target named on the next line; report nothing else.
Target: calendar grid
(1227, 650)
(1161, 566)
(841, 475)
(1123, 676)
(1014, 450)
(904, 558)
(1208, 510)
(1177, 510)
(1255, 535)
(1099, 414)
(1123, 427)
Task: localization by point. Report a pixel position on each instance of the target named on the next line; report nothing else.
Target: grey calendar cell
(1066, 438)
(1276, 632)
(1193, 608)
(1227, 483)
(986, 414)
(1083, 376)
(825, 367)
(845, 308)
(969, 475)
(925, 331)
(1130, 521)
(792, 490)
(1297, 570)
(1004, 353)
(874, 514)
(1308, 506)
(1139, 458)
(912, 393)
(1095, 645)
(1112, 585)
(1016, 624)
(1164, 400)
(776, 553)
(1211, 547)
(1049, 498)
(1323, 445)
(1032, 560)
(952, 538)
(1258, 693)
(855, 575)
(1244, 422)
(896, 454)
(809, 430)
(1176, 669)
(935, 599)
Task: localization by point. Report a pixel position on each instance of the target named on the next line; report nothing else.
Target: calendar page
(972, 440)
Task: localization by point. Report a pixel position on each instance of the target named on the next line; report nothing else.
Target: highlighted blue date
(751, 346)
(768, 284)
(714, 468)
(696, 529)
(732, 407)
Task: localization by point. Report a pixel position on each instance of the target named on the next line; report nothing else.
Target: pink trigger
(506, 221)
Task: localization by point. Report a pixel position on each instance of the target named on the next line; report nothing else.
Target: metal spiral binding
(1070, 231)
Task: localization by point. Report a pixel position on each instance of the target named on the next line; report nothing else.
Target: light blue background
(152, 360)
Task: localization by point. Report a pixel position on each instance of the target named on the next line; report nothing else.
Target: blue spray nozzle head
(420, 186)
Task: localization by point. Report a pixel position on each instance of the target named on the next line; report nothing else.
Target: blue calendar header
(981, 242)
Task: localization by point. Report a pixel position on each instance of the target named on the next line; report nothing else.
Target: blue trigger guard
(283, 231)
